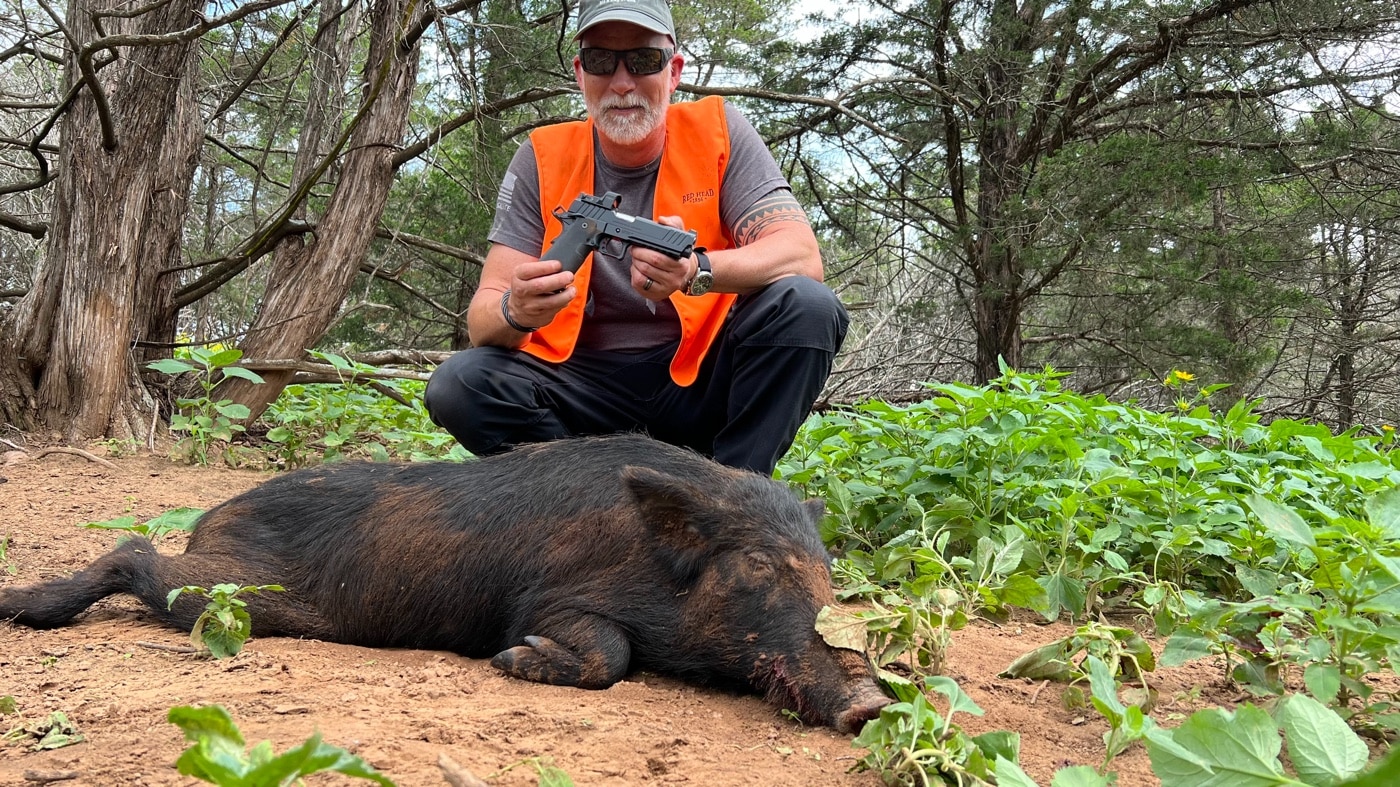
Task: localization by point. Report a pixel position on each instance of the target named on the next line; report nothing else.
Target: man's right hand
(539, 290)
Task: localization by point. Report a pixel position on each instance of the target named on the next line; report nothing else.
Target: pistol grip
(574, 244)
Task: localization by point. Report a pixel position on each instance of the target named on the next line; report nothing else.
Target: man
(639, 343)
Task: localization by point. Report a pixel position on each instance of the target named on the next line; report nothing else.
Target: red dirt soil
(402, 709)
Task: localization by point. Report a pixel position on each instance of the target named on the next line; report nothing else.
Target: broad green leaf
(1079, 776)
(1281, 521)
(175, 519)
(958, 702)
(218, 751)
(551, 776)
(224, 357)
(999, 744)
(1105, 690)
(1237, 749)
(1323, 681)
(841, 629)
(1181, 648)
(233, 410)
(1383, 509)
(1047, 662)
(120, 523)
(1322, 747)
(170, 366)
(1062, 592)
(245, 374)
(1385, 774)
(1008, 558)
(226, 639)
(1009, 774)
(314, 756)
(1258, 583)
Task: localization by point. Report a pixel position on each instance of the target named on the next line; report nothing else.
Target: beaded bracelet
(505, 312)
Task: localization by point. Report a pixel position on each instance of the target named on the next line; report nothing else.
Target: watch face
(702, 283)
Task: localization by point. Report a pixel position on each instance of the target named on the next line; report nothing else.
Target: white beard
(624, 129)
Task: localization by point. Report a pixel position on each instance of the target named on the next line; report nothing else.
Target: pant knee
(795, 311)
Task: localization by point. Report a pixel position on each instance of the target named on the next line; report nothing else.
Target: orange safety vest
(687, 185)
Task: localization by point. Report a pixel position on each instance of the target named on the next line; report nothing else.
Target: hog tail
(54, 603)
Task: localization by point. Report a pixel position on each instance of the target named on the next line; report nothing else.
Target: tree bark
(66, 362)
(310, 279)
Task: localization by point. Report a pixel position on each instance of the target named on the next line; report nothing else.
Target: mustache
(624, 102)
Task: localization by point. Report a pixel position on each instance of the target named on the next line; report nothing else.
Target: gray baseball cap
(653, 15)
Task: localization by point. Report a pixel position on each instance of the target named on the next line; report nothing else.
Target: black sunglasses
(640, 62)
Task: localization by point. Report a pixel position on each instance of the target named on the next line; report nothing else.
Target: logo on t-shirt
(503, 200)
(698, 196)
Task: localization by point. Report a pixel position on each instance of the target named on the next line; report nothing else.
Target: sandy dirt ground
(116, 674)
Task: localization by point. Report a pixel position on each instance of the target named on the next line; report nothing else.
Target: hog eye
(759, 562)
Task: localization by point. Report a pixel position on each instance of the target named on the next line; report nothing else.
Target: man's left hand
(654, 275)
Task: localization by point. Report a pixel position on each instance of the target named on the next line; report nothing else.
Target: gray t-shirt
(616, 317)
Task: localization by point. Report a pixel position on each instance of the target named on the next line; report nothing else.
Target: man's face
(627, 109)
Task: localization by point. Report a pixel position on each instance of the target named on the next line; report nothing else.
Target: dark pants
(755, 388)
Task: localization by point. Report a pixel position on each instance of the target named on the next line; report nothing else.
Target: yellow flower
(1184, 377)
(1387, 428)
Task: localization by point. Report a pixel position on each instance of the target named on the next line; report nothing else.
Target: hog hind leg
(590, 652)
(54, 603)
(271, 612)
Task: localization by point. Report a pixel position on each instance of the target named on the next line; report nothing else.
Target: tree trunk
(309, 280)
(66, 362)
(995, 249)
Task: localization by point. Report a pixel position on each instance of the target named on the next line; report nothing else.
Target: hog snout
(866, 704)
(840, 693)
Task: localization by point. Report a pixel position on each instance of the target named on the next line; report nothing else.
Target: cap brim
(632, 17)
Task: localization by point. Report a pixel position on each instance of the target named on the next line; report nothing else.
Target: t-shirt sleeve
(751, 173)
(518, 223)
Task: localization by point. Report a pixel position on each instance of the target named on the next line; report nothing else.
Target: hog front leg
(590, 652)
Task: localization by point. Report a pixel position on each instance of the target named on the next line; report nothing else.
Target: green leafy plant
(54, 731)
(1242, 748)
(1122, 651)
(1116, 505)
(1336, 617)
(913, 744)
(204, 419)
(896, 627)
(179, 519)
(220, 756)
(1127, 724)
(549, 774)
(5, 560)
(224, 625)
(378, 420)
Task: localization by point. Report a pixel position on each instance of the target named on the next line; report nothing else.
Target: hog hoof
(541, 660)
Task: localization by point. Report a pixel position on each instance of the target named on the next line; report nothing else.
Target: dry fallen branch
(184, 649)
(91, 457)
(456, 775)
(309, 371)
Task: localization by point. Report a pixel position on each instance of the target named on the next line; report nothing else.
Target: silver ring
(647, 286)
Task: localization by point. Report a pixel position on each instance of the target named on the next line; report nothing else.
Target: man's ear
(578, 72)
(677, 66)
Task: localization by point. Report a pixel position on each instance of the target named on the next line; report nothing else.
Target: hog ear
(669, 505)
(816, 509)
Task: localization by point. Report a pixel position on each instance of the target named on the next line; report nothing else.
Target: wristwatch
(704, 277)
